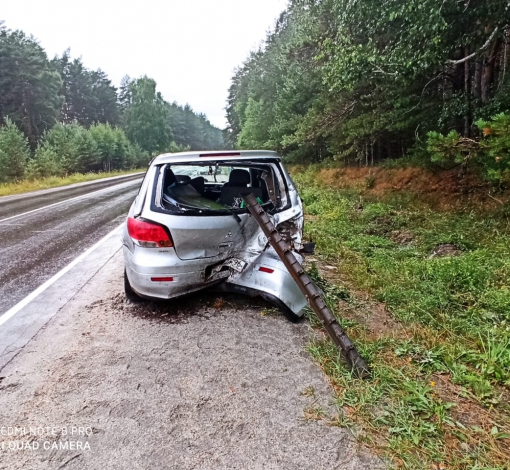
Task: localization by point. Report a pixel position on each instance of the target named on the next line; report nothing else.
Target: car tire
(128, 290)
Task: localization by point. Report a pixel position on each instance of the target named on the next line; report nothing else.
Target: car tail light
(162, 279)
(148, 234)
(266, 270)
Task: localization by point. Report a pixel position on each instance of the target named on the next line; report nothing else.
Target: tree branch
(380, 70)
(470, 56)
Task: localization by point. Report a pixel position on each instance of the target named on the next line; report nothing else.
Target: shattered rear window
(217, 187)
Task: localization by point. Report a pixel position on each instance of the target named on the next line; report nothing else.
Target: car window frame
(156, 203)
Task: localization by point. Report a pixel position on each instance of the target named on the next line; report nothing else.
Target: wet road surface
(64, 223)
(20, 203)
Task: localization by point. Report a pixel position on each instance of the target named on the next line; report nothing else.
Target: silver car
(188, 229)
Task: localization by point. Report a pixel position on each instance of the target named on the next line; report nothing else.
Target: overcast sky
(190, 47)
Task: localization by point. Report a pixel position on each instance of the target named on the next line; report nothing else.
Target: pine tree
(89, 96)
(14, 152)
(147, 121)
(29, 85)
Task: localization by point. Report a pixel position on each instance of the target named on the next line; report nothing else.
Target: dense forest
(58, 117)
(364, 81)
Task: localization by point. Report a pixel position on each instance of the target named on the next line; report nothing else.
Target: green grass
(455, 312)
(24, 186)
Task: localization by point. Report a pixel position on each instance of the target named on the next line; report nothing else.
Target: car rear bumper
(265, 275)
(268, 276)
(144, 271)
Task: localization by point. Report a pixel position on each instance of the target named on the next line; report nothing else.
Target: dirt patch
(380, 225)
(445, 249)
(472, 415)
(402, 237)
(360, 308)
(374, 317)
(380, 322)
(442, 189)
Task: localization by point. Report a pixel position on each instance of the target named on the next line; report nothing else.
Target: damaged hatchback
(188, 229)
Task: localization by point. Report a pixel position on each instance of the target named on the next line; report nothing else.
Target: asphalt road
(42, 232)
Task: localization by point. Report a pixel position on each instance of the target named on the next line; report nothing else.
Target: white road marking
(83, 196)
(23, 303)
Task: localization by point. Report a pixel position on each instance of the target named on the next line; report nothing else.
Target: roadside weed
(24, 186)
(439, 395)
(314, 413)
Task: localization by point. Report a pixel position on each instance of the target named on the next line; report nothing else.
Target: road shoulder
(204, 382)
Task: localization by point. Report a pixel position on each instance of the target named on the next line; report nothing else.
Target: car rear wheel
(128, 290)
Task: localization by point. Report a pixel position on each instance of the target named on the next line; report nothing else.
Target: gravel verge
(204, 382)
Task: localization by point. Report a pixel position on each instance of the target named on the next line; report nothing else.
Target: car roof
(183, 157)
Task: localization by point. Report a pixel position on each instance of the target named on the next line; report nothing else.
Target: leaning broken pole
(309, 289)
